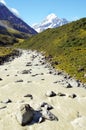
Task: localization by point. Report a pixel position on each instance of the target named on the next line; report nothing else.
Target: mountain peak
(51, 21)
(51, 16)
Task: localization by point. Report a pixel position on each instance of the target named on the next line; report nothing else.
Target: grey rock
(2, 107)
(6, 101)
(50, 94)
(61, 94)
(48, 115)
(29, 64)
(24, 114)
(19, 80)
(29, 95)
(1, 79)
(46, 106)
(26, 72)
(68, 85)
(34, 75)
(73, 95)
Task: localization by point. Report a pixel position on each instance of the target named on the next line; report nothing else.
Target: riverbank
(31, 74)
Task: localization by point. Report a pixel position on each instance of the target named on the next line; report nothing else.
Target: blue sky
(34, 11)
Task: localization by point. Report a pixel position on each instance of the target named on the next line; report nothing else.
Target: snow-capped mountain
(51, 21)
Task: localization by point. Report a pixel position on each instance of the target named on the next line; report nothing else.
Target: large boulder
(24, 114)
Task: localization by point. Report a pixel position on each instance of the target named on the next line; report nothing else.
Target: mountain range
(51, 21)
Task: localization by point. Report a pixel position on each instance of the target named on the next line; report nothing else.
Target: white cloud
(15, 11)
(2, 1)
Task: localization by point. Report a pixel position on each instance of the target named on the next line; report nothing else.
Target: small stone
(81, 69)
(42, 79)
(29, 64)
(2, 107)
(1, 79)
(29, 81)
(8, 75)
(61, 94)
(46, 106)
(43, 104)
(50, 94)
(16, 75)
(68, 86)
(26, 72)
(73, 96)
(29, 95)
(19, 80)
(6, 101)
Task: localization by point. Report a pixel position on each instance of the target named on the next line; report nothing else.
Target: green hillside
(66, 45)
(10, 36)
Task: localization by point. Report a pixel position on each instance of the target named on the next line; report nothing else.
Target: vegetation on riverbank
(66, 45)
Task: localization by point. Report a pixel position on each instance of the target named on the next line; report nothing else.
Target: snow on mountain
(51, 21)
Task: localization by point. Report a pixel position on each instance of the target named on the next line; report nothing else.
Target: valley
(31, 74)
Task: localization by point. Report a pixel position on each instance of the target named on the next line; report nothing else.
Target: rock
(68, 85)
(8, 75)
(2, 107)
(48, 115)
(29, 81)
(6, 101)
(34, 75)
(55, 82)
(16, 75)
(26, 72)
(42, 79)
(24, 114)
(73, 96)
(1, 79)
(61, 94)
(29, 64)
(80, 69)
(46, 106)
(29, 95)
(19, 80)
(36, 65)
(50, 94)
(43, 104)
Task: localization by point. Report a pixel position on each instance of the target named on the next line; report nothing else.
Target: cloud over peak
(14, 11)
(2, 1)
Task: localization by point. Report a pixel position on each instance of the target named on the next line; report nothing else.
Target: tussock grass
(66, 44)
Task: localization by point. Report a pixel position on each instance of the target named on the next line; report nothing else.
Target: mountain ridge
(51, 21)
(14, 21)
